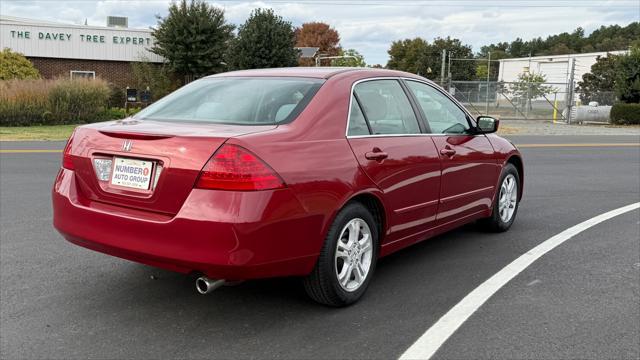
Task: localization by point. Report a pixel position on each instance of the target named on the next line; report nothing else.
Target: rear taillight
(235, 168)
(67, 160)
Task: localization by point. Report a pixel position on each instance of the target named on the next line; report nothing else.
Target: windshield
(235, 100)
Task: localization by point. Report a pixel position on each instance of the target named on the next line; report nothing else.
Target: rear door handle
(376, 155)
(448, 151)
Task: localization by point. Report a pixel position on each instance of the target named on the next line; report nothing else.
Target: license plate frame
(132, 173)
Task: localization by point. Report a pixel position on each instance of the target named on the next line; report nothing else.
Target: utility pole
(570, 90)
(527, 102)
(486, 111)
(449, 72)
(442, 67)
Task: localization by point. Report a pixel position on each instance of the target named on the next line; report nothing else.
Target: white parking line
(427, 345)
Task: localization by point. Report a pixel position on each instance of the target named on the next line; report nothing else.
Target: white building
(556, 68)
(58, 49)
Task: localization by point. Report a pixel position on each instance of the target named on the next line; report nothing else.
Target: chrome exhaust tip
(205, 285)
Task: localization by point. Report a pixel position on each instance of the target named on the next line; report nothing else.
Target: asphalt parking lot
(580, 300)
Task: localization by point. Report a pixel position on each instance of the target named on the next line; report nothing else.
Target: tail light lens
(235, 168)
(67, 160)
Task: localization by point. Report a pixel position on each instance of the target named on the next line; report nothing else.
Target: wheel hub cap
(508, 198)
(354, 253)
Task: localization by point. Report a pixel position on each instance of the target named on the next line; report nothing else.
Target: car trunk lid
(163, 158)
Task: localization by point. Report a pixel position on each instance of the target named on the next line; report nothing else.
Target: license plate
(132, 173)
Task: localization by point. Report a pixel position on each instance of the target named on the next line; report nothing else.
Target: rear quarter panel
(314, 159)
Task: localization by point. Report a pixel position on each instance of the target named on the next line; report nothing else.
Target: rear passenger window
(386, 107)
(357, 123)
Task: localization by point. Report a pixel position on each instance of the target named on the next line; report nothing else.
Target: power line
(461, 2)
(621, 4)
(611, 4)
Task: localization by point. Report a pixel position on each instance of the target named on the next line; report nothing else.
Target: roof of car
(322, 72)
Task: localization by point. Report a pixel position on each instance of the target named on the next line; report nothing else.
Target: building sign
(52, 40)
(92, 38)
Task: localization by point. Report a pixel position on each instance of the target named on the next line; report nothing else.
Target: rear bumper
(223, 234)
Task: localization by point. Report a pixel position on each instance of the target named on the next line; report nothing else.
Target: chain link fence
(531, 101)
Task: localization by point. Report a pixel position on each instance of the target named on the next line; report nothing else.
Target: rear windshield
(235, 100)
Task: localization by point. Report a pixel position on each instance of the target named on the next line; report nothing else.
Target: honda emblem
(127, 145)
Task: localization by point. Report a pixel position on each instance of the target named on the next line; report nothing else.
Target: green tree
(497, 52)
(563, 43)
(157, 77)
(481, 72)
(420, 57)
(265, 40)
(529, 86)
(560, 49)
(614, 37)
(516, 48)
(407, 55)
(461, 68)
(193, 38)
(599, 84)
(14, 65)
(356, 61)
(606, 38)
(627, 83)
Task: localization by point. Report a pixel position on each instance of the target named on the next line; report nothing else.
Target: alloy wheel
(508, 198)
(354, 253)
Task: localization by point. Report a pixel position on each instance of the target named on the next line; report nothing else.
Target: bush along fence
(54, 102)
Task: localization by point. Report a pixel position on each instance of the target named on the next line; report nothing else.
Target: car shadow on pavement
(144, 302)
(427, 260)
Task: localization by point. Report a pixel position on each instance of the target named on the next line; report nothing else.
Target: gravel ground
(543, 127)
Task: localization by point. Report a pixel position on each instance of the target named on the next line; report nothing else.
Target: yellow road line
(27, 151)
(579, 145)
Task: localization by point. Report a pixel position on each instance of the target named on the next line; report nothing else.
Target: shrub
(15, 66)
(116, 113)
(625, 114)
(79, 100)
(117, 98)
(628, 80)
(24, 102)
(157, 77)
(47, 102)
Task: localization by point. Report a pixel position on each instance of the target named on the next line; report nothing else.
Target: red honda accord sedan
(310, 172)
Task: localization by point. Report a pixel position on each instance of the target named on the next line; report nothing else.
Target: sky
(370, 26)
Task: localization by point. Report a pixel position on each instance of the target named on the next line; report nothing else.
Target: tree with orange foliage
(320, 35)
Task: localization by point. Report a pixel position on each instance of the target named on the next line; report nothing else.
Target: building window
(77, 74)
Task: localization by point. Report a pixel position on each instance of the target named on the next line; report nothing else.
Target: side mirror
(487, 124)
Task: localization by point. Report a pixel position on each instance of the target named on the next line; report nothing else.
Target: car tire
(504, 208)
(340, 255)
